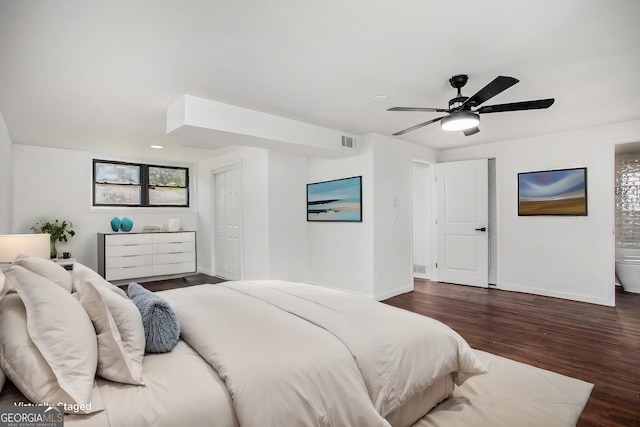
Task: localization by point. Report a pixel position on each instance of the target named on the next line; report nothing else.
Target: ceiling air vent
(348, 142)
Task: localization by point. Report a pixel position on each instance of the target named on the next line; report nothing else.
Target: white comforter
(294, 354)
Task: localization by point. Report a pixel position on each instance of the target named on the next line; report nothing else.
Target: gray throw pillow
(161, 327)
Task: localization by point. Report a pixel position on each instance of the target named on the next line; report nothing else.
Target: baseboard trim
(556, 294)
(393, 293)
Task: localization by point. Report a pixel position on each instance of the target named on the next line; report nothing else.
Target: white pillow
(61, 330)
(46, 268)
(82, 272)
(121, 343)
(23, 364)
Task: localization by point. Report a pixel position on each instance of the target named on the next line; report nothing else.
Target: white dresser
(136, 255)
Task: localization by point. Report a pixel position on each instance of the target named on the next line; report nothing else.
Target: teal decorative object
(115, 223)
(126, 224)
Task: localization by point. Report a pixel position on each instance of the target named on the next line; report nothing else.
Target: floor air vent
(419, 268)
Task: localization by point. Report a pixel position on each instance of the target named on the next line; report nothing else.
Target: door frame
(494, 218)
(462, 217)
(431, 273)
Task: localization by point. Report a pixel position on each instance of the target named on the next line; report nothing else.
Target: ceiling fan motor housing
(457, 82)
(456, 103)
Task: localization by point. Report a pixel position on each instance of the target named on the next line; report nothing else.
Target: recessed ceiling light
(379, 98)
(157, 147)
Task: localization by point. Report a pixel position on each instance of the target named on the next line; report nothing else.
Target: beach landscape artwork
(553, 192)
(336, 200)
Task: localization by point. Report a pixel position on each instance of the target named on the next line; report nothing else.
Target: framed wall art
(336, 200)
(553, 192)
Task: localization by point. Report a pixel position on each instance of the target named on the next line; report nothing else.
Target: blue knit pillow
(161, 327)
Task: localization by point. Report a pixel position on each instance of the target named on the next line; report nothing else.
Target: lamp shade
(11, 245)
(461, 120)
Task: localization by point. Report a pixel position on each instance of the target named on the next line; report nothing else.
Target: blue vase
(115, 223)
(126, 224)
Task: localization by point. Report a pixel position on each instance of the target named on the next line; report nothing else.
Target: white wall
(567, 257)
(56, 184)
(341, 253)
(393, 214)
(255, 216)
(373, 257)
(6, 179)
(288, 236)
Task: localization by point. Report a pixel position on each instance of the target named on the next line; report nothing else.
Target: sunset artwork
(554, 192)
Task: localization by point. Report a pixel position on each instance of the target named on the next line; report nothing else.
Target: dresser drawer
(128, 250)
(174, 268)
(129, 261)
(127, 239)
(128, 272)
(174, 258)
(173, 247)
(174, 237)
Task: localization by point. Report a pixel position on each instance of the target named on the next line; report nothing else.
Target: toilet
(628, 269)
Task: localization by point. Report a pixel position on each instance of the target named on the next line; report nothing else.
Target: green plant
(59, 231)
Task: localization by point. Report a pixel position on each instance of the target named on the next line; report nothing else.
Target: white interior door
(227, 219)
(462, 222)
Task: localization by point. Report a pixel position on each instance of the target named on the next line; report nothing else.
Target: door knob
(481, 229)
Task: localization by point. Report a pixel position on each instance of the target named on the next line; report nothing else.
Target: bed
(250, 353)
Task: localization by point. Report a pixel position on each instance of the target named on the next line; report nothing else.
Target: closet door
(228, 225)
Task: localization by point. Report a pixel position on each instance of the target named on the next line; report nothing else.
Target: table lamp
(11, 245)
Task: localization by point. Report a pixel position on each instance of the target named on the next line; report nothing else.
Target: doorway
(422, 220)
(227, 220)
(627, 203)
(463, 222)
(425, 227)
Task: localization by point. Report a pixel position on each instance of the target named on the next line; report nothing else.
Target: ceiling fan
(461, 115)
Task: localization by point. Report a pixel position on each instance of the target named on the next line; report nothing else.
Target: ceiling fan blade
(498, 85)
(472, 131)
(433, 110)
(517, 106)
(402, 132)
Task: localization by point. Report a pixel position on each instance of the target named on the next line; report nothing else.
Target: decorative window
(133, 184)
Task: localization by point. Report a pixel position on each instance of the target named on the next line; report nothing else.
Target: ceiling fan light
(461, 120)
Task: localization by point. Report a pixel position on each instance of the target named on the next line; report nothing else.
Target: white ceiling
(99, 75)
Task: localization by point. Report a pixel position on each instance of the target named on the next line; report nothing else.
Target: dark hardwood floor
(594, 343)
(597, 344)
